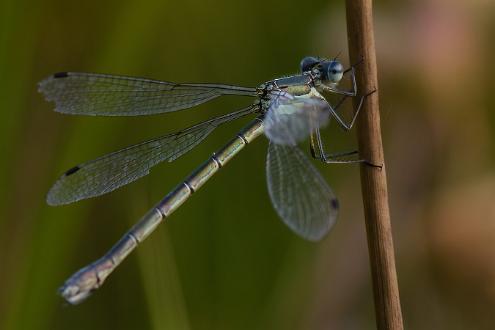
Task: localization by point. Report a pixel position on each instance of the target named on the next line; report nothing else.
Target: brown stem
(373, 179)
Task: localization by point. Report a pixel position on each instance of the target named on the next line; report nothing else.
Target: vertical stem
(373, 179)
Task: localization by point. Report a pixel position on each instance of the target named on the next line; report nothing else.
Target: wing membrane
(119, 168)
(109, 95)
(290, 119)
(300, 195)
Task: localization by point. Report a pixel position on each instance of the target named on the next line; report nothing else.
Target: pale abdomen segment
(80, 285)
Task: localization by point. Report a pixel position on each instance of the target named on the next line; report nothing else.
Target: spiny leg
(340, 120)
(334, 158)
(316, 143)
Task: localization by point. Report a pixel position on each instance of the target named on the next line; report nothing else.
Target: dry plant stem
(373, 179)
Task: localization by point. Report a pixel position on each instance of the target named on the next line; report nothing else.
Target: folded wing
(291, 119)
(300, 195)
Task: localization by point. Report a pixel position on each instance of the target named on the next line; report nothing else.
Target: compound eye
(335, 71)
(308, 63)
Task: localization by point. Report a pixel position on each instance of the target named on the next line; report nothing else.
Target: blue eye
(308, 63)
(334, 71)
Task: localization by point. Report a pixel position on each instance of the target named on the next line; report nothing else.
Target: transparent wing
(299, 193)
(108, 95)
(119, 168)
(291, 119)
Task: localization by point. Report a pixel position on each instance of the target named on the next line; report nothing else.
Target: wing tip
(45, 81)
(54, 199)
(55, 196)
(51, 200)
(42, 85)
(316, 236)
(45, 85)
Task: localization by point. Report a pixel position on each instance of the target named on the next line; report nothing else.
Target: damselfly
(288, 110)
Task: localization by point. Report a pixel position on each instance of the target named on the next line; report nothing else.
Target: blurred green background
(224, 260)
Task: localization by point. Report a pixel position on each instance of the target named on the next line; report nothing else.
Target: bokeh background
(224, 260)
